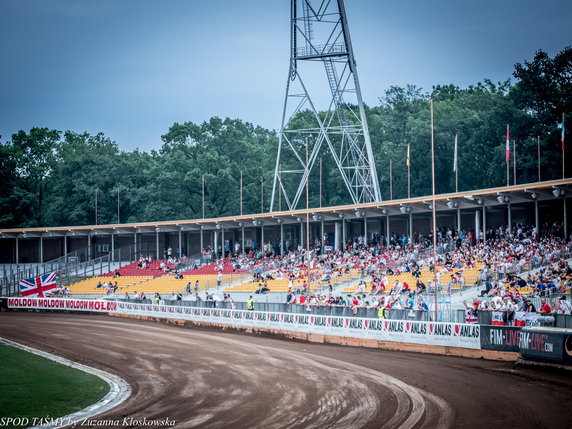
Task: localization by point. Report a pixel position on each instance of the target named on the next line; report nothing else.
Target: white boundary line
(119, 389)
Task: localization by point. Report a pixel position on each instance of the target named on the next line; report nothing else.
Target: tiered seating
(152, 269)
(282, 285)
(470, 275)
(88, 286)
(168, 284)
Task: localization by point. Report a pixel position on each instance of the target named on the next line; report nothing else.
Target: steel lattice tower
(320, 42)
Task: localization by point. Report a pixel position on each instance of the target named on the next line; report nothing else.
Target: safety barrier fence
(548, 345)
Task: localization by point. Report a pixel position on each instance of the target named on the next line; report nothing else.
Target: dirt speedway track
(210, 379)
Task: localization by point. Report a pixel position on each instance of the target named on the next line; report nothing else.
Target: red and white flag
(507, 144)
(41, 286)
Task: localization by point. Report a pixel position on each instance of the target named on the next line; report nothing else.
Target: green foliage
(51, 178)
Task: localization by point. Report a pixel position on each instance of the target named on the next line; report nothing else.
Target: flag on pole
(408, 152)
(507, 145)
(562, 132)
(455, 157)
(40, 286)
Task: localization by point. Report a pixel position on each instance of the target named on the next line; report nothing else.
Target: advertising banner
(62, 304)
(542, 343)
(500, 338)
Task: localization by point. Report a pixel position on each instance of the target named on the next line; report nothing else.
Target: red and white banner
(497, 317)
(430, 333)
(62, 304)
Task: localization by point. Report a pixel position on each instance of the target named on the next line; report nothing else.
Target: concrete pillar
(509, 215)
(484, 223)
(88, 246)
(262, 238)
(113, 245)
(17, 261)
(222, 242)
(322, 235)
(180, 243)
(65, 245)
(344, 234)
(157, 243)
(41, 249)
(215, 242)
(411, 227)
(135, 245)
(387, 231)
(477, 223)
(536, 218)
(243, 239)
(458, 220)
(302, 234)
(202, 244)
(365, 228)
(281, 239)
(565, 223)
(337, 233)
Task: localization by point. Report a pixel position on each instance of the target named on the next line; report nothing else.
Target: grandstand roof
(540, 191)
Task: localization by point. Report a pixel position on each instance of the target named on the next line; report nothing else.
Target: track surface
(209, 379)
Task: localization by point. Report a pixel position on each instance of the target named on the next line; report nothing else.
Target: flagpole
(118, 219)
(280, 185)
(320, 181)
(203, 196)
(408, 170)
(563, 151)
(262, 194)
(538, 146)
(241, 192)
(307, 219)
(507, 155)
(390, 180)
(96, 206)
(434, 213)
(456, 163)
(514, 160)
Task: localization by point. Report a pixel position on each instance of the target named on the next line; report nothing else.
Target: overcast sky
(131, 68)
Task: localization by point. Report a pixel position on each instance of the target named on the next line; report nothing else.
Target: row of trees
(51, 177)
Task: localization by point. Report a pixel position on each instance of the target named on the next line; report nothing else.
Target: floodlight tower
(326, 109)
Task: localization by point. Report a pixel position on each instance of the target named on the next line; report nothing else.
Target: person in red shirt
(544, 307)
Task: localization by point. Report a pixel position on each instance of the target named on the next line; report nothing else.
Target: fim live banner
(430, 333)
(62, 304)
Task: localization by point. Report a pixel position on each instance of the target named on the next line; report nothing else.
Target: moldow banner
(62, 304)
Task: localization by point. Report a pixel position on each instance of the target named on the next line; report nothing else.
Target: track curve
(209, 379)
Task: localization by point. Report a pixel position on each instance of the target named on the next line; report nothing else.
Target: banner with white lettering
(62, 304)
(430, 333)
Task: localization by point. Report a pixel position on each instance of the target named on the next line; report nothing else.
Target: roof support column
(242, 239)
(509, 216)
(411, 227)
(41, 249)
(565, 223)
(322, 236)
(222, 243)
(344, 233)
(157, 243)
(484, 223)
(202, 247)
(387, 229)
(180, 243)
(458, 221)
(536, 218)
(365, 229)
(281, 238)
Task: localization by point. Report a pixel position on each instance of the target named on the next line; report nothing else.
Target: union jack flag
(38, 286)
